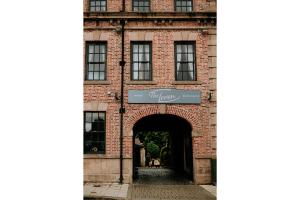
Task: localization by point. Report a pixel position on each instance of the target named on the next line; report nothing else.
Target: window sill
(96, 82)
(85, 156)
(102, 156)
(186, 83)
(141, 83)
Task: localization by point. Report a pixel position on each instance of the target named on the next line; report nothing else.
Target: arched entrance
(162, 149)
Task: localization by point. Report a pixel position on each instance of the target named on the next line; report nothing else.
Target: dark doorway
(162, 150)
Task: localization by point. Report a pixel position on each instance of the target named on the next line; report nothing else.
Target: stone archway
(170, 134)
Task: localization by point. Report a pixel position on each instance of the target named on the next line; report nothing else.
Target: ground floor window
(94, 132)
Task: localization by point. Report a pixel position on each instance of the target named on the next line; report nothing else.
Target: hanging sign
(163, 95)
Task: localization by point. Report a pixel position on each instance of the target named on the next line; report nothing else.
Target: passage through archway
(162, 150)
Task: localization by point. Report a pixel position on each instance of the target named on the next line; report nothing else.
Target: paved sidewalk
(211, 189)
(105, 191)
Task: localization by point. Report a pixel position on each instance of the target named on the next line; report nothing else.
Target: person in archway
(148, 158)
(152, 162)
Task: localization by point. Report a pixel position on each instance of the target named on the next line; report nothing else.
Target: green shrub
(153, 149)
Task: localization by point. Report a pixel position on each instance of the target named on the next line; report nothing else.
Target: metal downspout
(122, 108)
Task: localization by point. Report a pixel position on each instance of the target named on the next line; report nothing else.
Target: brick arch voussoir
(180, 112)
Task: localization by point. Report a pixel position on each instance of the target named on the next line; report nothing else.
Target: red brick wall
(163, 77)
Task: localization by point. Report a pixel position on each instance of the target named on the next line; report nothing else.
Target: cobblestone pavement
(169, 192)
(165, 184)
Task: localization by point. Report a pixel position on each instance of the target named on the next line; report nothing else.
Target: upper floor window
(94, 132)
(141, 61)
(97, 5)
(141, 5)
(183, 5)
(185, 61)
(96, 61)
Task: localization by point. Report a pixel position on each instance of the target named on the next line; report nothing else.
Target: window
(97, 5)
(96, 61)
(141, 5)
(94, 132)
(141, 61)
(185, 61)
(183, 5)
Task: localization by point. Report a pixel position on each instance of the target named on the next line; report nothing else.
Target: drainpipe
(122, 108)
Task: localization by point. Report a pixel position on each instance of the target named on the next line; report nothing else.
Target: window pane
(190, 49)
(135, 48)
(92, 9)
(97, 3)
(178, 57)
(102, 76)
(102, 57)
(103, 8)
(135, 57)
(102, 67)
(147, 75)
(91, 67)
(88, 117)
(147, 48)
(91, 57)
(96, 75)
(189, 3)
(147, 66)
(178, 48)
(90, 76)
(141, 48)
(91, 48)
(103, 3)
(191, 67)
(141, 57)
(179, 76)
(96, 58)
(94, 116)
(135, 75)
(141, 75)
(192, 75)
(135, 66)
(102, 48)
(97, 48)
(88, 126)
(184, 48)
(190, 57)
(97, 67)
(178, 66)
(185, 76)
(189, 9)
(142, 67)
(97, 8)
(147, 57)
(102, 116)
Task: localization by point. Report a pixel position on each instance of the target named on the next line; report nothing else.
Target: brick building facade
(152, 29)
